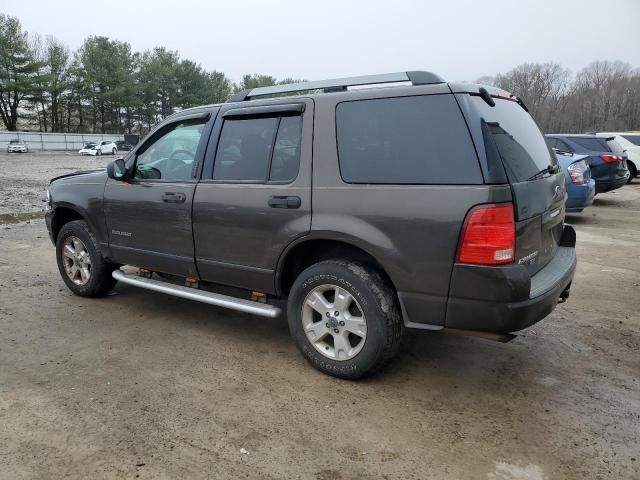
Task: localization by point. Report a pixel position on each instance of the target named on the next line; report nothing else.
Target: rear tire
(358, 305)
(81, 265)
(633, 171)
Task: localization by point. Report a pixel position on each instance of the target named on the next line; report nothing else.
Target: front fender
(82, 194)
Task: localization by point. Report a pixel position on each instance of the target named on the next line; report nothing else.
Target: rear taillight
(488, 235)
(609, 158)
(576, 172)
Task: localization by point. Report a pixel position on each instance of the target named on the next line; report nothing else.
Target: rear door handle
(283, 201)
(171, 197)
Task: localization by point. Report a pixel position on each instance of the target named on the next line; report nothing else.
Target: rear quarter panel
(412, 230)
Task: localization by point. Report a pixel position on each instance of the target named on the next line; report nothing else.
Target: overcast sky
(459, 39)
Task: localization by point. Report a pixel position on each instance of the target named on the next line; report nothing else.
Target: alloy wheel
(77, 261)
(334, 322)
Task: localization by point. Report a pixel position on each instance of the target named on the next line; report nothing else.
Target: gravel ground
(141, 385)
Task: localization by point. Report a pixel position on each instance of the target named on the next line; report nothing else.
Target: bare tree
(603, 96)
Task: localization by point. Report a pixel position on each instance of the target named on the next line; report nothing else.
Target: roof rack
(339, 84)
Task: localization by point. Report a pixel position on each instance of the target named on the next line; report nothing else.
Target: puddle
(11, 218)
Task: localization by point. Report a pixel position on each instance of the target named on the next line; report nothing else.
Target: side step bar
(219, 300)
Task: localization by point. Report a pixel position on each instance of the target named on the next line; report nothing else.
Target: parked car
(435, 205)
(625, 143)
(581, 188)
(89, 149)
(17, 146)
(608, 168)
(105, 147)
(122, 145)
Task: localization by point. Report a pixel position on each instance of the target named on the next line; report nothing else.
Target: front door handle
(171, 197)
(283, 201)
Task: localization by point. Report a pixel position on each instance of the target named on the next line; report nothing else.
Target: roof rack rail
(339, 84)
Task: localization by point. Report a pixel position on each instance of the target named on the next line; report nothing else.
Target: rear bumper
(603, 186)
(508, 299)
(580, 196)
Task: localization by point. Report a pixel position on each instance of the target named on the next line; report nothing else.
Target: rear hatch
(511, 140)
(606, 163)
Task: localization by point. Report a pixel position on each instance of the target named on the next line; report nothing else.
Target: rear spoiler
(486, 92)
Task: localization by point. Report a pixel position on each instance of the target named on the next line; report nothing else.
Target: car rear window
(405, 140)
(635, 139)
(511, 132)
(597, 144)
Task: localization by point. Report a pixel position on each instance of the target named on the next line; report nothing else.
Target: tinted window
(516, 138)
(244, 149)
(559, 144)
(564, 147)
(286, 153)
(170, 155)
(597, 144)
(635, 139)
(406, 140)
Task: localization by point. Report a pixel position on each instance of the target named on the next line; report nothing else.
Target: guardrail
(62, 142)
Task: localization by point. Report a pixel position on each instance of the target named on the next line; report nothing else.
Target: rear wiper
(550, 169)
(562, 152)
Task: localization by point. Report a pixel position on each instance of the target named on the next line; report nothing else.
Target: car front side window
(170, 156)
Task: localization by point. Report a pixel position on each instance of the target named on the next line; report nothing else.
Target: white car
(103, 148)
(17, 146)
(625, 142)
(89, 149)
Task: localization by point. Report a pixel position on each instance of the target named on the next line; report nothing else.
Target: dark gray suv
(370, 204)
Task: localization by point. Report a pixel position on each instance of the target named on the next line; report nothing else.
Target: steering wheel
(175, 164)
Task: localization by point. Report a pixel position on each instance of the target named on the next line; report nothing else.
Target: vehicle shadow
(426, 359)
(579, 218)
(608, 202)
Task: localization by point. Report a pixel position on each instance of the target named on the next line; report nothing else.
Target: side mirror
(117, 170)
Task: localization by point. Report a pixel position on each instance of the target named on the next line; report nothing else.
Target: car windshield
(90, 145)
(14, 142)
(635, 139)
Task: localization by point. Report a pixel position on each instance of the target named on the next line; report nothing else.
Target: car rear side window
(286, 153)
(635, 139)
(405, 140)
(250, 150)
(515, 137)
(597, 144)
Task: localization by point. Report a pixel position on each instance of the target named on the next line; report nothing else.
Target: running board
(217, 299)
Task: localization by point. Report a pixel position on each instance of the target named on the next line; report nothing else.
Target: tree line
(604, 96)
(106, 87)
(103, 86)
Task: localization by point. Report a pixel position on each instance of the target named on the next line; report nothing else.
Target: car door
(149, 215)
(255, 195)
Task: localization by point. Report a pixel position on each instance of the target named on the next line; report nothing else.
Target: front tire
(82, 267)
(98, 152)
(114, 151)
(344, 318)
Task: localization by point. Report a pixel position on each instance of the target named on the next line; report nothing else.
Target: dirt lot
(141, 385)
